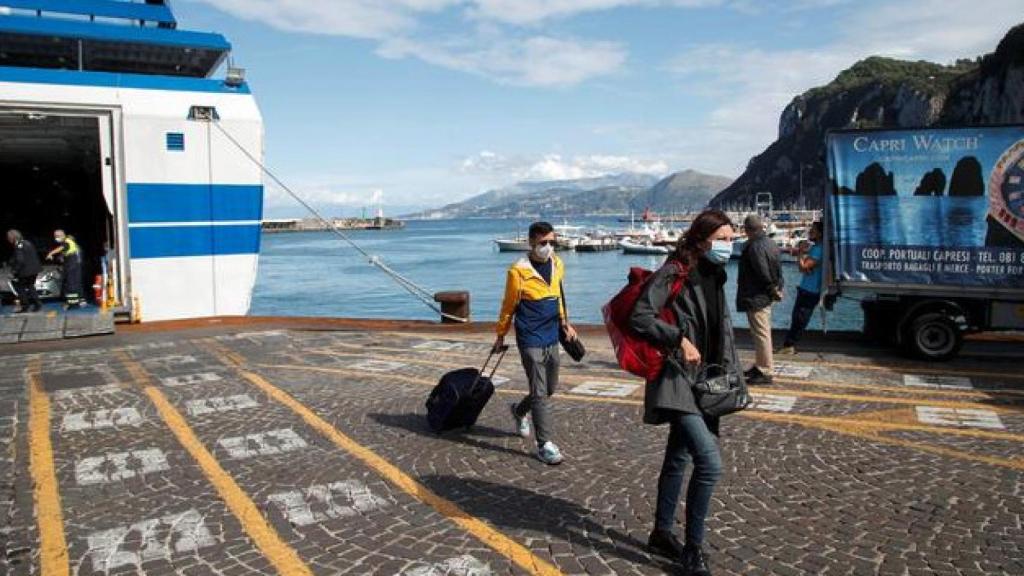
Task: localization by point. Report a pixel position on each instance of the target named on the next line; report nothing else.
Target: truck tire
(933, 336)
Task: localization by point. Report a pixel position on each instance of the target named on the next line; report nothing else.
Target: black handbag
(719, 392)
(574, 347)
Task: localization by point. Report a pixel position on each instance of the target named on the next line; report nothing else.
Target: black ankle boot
(665, 543)
(694, 562)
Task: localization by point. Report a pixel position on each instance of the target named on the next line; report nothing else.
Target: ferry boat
(113, 127)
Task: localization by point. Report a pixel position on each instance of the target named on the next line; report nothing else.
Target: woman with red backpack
(690, 284)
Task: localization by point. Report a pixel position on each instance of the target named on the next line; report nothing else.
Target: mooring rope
(416, 290)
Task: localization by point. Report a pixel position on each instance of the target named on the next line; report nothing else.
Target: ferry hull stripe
(117, 80)
(194, 202)
(177, 241)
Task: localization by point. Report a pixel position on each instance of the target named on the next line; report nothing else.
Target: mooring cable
(416, 290)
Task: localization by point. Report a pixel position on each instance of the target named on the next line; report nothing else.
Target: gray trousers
(541, 365)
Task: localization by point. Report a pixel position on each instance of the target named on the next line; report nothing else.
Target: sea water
(317, 274)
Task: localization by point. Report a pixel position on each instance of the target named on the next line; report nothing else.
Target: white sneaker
(549, 454)
(522, 424)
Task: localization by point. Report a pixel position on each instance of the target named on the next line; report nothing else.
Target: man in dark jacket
(25, 267)
(759, 286)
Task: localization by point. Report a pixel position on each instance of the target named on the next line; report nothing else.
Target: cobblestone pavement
(306, 452)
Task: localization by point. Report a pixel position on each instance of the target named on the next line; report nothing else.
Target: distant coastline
(283, 225)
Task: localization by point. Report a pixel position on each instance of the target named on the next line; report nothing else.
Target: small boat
(603, 243)
(789, 241)
(517, 244)
(568, 237)
(642, 247)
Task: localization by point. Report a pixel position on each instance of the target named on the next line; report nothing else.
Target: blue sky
(417, 103)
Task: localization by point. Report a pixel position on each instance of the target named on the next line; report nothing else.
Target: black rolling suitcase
(460, 396)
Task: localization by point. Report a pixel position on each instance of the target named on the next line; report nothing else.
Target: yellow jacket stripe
(524, 283)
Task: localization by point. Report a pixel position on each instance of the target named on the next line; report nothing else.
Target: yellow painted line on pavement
(276, 550)
(896, 369)
(900, 370)
(857, 422)
(507, 547)
(871, 431)
(617, 375)
(847, 425)
(53, 548)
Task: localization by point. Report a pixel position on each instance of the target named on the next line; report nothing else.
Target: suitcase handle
(501, 355)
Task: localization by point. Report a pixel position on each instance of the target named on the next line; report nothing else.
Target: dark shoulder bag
(574, 348)
(720, 392)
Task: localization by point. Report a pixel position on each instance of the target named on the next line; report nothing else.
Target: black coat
(25, 261)
(760, 274)
(672, 389)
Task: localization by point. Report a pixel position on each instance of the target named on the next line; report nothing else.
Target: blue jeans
(803, 310)
(689, 439)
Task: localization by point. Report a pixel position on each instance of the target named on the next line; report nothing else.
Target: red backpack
(636, 354)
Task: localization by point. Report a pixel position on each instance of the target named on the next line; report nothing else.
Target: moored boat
(517, 244)
(597, 243)
(642, 247)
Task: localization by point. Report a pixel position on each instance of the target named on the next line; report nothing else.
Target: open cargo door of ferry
(58, 174)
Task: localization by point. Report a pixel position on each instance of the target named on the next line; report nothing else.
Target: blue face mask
(721, 251)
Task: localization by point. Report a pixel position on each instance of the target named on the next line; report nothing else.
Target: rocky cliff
(881, 92)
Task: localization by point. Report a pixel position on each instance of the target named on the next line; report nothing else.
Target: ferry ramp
(290, 447)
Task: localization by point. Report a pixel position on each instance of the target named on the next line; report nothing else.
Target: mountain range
(881, 93)
(614, 194)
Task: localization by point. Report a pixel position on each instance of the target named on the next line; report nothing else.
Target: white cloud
(355, 18)
(535, 61)
(557, 167)
(489, 49)
(533, 11)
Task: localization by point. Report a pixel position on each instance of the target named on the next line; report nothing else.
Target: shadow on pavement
(417, 424)
(516, 510)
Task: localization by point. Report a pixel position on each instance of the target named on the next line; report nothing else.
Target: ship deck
(298, 446)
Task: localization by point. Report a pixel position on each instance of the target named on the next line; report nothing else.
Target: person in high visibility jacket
(533, 302)
(71, 257)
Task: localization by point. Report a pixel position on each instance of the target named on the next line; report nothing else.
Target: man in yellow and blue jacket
(533, 303)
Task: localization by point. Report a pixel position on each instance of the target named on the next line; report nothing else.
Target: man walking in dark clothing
(759, 286)
(25, 267)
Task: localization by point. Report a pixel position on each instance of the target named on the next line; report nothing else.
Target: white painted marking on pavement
(119, 466)
(189, 379)
(959, 382)
(84, 392)
(597, 388)
(171, 360)
(499, 380)
(788, 370)
(95, 420)
(263, 443)
(959, 417)
(322, 502)
(376, 365)
(185, 532)
(244, 335)
(202, 406)
(439, 345)
(773, 403)
(464, 565)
